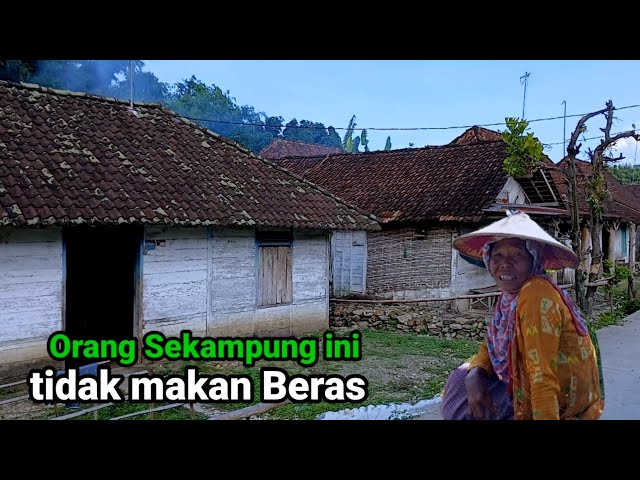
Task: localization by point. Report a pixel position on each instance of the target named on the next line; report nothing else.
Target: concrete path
(620, 355)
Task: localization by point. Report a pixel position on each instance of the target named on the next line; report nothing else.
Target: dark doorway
(100, 282)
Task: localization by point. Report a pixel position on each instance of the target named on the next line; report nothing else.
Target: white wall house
(117, 220)
(214, 282)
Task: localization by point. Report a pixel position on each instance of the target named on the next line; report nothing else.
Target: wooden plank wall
(274, 271)
(175, 280)
(30, 283)
(235, 289)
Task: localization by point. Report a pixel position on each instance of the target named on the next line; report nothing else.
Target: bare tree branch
(571, 148)
(605, 144)
(612, 159)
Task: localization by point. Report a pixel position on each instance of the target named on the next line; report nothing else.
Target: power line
(452, 127)
(585, 139)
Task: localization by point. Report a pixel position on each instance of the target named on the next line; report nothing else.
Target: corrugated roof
(67, 157)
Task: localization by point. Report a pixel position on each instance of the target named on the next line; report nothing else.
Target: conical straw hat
(518, 225)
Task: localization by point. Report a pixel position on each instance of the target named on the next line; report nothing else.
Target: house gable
(476, 134)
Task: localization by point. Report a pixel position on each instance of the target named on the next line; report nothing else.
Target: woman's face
(510, 264)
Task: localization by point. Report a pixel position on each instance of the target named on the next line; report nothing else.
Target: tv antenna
(524, 80)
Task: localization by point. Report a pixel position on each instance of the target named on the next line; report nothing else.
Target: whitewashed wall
(465, 275)
(31, 292)
(174, 295)
(349, 257)
(232, 281)
(233, 266)
(512, 192)
(310, 309)
(197, 279)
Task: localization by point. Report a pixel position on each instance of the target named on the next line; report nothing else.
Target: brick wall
(403, 260)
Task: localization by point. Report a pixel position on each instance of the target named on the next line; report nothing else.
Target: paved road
(620, 354)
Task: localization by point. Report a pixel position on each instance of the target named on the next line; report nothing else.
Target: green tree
(352, 144)
(524, 152)
(206, 105)
(597, 193)
(364, 140)
(16, 70)
(627, 174)
(312, 133)
(273, 125)
(216, 110)
(347, 140)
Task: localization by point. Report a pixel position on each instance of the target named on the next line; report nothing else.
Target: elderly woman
(537, 360)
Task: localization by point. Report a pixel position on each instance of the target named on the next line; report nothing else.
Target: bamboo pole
(248, 411)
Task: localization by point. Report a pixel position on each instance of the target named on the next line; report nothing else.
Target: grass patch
(399, 368)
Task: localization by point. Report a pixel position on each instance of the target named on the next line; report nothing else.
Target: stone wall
(434, 318)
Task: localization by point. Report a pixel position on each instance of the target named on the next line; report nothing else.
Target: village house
(424, 198)
(621, 215)
(121, 219)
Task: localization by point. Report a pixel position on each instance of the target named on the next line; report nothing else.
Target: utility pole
(131, 80)
(564, 131)
(633, 170)
(524, 80)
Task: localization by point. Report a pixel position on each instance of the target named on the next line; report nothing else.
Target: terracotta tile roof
(446, 183)
(476, 134)
(281, 148)
(635, 189)
(67, 157)
(623, 205)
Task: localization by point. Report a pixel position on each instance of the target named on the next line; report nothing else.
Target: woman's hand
(478, 396)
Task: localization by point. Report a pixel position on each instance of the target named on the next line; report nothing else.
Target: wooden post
(611, 254)
(632, 246)
(586, 245)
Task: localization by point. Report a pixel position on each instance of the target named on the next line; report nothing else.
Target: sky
(426, 95)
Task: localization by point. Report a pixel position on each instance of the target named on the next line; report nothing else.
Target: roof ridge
(75, 93)
(282, 139)
(396, 150)
(228, 141)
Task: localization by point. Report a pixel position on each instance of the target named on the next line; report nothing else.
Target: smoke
(109, 78)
